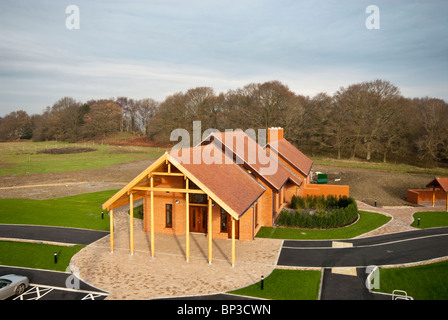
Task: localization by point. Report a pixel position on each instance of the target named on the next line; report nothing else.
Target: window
(223, 220)
(169, 215)
(198, 198)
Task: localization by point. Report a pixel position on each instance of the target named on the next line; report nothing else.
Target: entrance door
(198, 219)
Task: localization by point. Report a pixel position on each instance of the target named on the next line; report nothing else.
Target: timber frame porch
(145, 185)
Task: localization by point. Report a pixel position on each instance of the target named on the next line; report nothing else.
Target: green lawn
(368, 221)
(430, 219)
(285, 285)
(37, 256)
(427, 282)
(17, 158)
(81, 211)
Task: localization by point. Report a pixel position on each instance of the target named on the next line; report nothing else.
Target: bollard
(102, 215)
(418, 222)
(375, 203)
(55, 257)
(262, 283)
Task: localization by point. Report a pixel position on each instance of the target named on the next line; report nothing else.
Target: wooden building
(227, 187)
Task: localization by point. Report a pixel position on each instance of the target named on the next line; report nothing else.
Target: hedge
(330, 212)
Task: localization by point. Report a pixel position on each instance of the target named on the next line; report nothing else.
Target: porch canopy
(441, 183)
(224, 183)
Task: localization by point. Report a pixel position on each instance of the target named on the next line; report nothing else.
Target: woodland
(371, 120)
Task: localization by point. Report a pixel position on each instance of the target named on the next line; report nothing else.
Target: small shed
(438, 192)
(439, 183)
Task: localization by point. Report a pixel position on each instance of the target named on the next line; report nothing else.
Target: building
(227, 187)
(438, 192)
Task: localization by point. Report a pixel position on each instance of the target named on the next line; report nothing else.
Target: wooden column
(152, 217)
(111, 218)
(233, 241)
(187, 224)
(209, 230)
(433, 196)
(131, 223)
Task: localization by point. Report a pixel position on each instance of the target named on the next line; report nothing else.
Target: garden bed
(319, 212)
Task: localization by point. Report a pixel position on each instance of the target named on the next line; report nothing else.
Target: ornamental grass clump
(319, 212)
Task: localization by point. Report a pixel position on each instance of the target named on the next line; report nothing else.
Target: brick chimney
(275, 134)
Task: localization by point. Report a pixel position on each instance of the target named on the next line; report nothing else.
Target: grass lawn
(368, 221)
(285, 285)
(19, 158)
(430, 219)
(81, 211)
(428, 282)
(37, 256)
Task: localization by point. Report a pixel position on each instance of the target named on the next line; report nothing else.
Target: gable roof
(292, 155)
(235, 193)
(439, 183)
(221, 179)
(248, 151)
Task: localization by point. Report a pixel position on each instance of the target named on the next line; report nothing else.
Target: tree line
(371, 120)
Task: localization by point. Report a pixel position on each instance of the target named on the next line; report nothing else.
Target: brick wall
(324, 189)
(179, 217)
(418, 195)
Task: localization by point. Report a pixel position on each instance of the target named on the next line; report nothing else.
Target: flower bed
(319, 212)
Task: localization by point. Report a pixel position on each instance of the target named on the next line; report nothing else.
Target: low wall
(417, 195)
(324, 189)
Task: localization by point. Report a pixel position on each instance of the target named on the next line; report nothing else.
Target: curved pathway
(402, 218)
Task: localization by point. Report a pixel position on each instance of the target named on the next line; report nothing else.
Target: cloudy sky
(143, 49)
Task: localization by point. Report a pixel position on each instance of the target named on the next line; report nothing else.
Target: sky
(152, 49)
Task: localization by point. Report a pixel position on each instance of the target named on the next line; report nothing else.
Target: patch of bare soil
(66, 150)
(367, 185)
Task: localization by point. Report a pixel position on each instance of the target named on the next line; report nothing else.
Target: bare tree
(15, 125)
(104, 118)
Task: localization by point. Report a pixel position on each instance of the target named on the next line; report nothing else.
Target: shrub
(330, 212)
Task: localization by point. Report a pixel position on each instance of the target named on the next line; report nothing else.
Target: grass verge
(430, 219)
(285, 285)
(427, 282)
(368, 221)
(36, 256)
(81, 211)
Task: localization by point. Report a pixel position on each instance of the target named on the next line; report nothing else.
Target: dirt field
(366, 185)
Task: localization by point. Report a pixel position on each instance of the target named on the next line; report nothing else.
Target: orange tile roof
(221, 176)
(251, 153)
(439, 183)
(293, 155)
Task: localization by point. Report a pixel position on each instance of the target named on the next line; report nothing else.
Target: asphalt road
(393, 249)
(51, 234)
